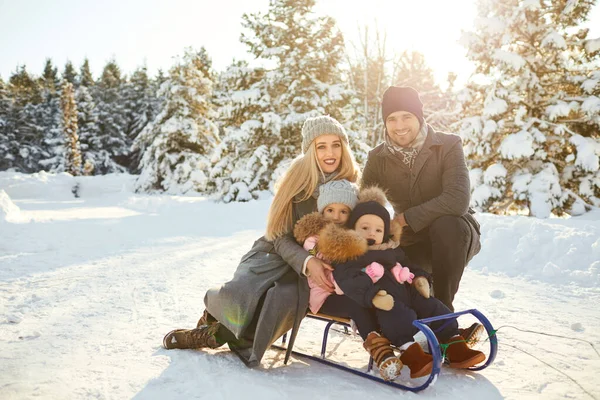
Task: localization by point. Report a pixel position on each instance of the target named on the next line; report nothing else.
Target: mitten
(402, 274)
(374, 270)
(383, 301)
(422, 285)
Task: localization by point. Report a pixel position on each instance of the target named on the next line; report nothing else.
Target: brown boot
(460, 355)
(419, 362)
(380, 349)
(204, 336)
(206, 319)
(472, 334)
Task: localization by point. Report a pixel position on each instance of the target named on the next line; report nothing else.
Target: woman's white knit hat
(317, 126)
(340, 191)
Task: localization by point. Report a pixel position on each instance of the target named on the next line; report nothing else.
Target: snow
(517, 145)
(513, 60)
(592, 45)
(89, 286)
(554, 39)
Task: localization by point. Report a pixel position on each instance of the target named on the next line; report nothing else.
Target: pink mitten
(402, 274)
(374, 270)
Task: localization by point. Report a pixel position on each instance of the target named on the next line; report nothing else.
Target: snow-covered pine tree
(109, 148)
(49, 119)
(531, 132)
(177, 144)
(26, 118)
(69, 74)
(304, 51)
(139, 106)
(8, 143)
(69, 127)
(85, 75)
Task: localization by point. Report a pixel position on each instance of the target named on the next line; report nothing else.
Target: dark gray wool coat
(268, 294)
(437, 185)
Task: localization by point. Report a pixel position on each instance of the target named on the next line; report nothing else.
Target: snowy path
(87, 295)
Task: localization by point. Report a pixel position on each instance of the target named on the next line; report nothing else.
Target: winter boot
(380, 349)
(204, 336)
(459, 355)
(206, 319)
(419, 362)
(472, 334)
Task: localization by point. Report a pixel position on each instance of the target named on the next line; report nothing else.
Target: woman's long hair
(299, 183)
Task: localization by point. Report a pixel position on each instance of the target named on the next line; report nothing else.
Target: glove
(374, 270)
(402, 274)
(422, 285)
(383, 301)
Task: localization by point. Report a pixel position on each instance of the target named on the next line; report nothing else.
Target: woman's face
(329, 152)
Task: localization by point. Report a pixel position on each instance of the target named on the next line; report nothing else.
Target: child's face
(337, 212)
(370, 226)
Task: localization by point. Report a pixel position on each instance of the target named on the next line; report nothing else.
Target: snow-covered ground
(89, 286)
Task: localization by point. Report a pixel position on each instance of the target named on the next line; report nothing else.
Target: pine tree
(531, 132)
(69, 126)
(85, 75)
(140, 107)
(69, 74)
(27, 118)
(305, 51)
(49, 79)
(8, 144)
(111, 144)
(177, 143)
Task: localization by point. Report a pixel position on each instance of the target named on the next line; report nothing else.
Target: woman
(268, 294)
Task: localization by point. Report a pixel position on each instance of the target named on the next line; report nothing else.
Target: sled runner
(422, 325)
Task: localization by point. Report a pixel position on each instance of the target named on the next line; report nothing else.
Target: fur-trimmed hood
(336, 244)
(376, 194)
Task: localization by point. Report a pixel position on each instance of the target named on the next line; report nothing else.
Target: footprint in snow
(497, 294)
(577, 327)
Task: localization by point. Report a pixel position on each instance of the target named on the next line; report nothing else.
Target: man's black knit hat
(371, 207)
(401, 98)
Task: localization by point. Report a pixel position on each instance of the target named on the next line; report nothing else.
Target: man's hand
(316, 270)
(383, 301)
(422, 285)
(401, 220)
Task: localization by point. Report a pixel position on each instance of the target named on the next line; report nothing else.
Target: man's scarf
(407, 154)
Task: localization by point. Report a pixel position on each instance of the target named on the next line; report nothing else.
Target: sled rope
(444, 347)
(550, 334)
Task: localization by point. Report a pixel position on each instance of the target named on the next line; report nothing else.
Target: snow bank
(9, 212)
(557, 251)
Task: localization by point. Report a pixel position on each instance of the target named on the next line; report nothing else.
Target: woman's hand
(316, 270)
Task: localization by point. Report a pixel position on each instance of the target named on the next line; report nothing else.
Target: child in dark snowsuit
(396, 305)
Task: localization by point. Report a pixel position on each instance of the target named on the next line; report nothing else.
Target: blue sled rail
(434, 346)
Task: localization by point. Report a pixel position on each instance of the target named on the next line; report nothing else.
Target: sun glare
(431, 27)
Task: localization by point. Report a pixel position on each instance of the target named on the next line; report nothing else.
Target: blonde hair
(299, 183)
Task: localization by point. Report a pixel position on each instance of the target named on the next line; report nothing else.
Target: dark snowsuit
(409, 305)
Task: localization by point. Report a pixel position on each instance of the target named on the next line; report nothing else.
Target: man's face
(403, 127)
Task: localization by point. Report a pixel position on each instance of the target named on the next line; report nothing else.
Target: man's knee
(450, 227)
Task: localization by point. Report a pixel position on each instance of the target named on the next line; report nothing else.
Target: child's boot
(380, 349)
(472, 334)
(460, 355)
(419, 362)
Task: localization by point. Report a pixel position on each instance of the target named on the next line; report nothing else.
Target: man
(426, 179)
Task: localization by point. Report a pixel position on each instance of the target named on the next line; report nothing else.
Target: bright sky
(135, 32)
